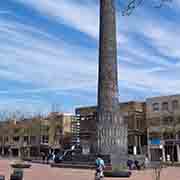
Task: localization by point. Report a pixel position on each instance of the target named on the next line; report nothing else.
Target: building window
(83, 118)
(175, 104)
(118, 141)
(178, 135)
(58, 131)
(165, 106)
(114, 141)
(167, 120)
(32, 139)
(26, 139)
(154, 122)
(45, 128)
(168, 136)
(178, 120)
(16, 138)
(44, 139)
(6, 139)
(1, 139)
(108, 132)
(155, 106)
(115, 133)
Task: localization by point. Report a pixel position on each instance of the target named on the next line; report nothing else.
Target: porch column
(163, 154)
(10, 152)
(140, 145)
(19, 152)
(135, 145)
(29, 152)
(2, 152)
(148, 144)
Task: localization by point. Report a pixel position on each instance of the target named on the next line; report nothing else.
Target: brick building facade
(132, 112)
(163, 118)
(30, 137)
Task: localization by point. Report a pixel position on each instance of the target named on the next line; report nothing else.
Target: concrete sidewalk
(45, 172)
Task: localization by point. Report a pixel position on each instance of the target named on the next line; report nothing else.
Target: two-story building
(163, 119)
(30, 137)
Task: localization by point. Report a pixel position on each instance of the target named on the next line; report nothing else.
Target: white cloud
(49, 63)
(42, 62)
(83, 17)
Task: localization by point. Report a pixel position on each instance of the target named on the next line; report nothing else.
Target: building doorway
(156, 154)
(171, 150)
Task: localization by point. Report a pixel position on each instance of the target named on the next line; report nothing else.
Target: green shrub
(118, 168)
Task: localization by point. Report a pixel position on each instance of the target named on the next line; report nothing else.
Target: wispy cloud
(38, 60)
(81, 16)
(148, 52)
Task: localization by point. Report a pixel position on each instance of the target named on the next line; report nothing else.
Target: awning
(172, 142)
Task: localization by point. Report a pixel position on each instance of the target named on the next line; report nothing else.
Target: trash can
(17, 174)
(2, 177)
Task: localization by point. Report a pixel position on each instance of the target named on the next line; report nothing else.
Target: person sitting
(137, 165)
(130, 164)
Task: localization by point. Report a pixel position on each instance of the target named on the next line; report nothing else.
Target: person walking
(100, 166)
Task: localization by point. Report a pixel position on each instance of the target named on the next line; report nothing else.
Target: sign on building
(156, 141)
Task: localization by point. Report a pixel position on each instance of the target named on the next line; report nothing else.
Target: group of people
(133, 165)
(136, 165)
(100, 165)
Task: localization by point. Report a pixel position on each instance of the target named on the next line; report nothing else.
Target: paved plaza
(45, 172)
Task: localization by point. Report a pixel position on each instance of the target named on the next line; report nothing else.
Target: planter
(21, 166)
(118, 174)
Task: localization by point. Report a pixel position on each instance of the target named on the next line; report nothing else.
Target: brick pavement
(45, 172)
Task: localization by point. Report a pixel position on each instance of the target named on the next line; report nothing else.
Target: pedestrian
(146, 162)
(100, 166)
(43, 157)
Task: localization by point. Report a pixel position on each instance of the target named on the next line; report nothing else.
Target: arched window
(115, 134)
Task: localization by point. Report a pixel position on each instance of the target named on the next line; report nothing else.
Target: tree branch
(133, 4)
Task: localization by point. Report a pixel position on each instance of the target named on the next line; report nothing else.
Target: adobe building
(163, 118)
(134, 115)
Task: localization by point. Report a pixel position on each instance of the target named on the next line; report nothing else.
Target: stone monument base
(112, 137)
(119, 160)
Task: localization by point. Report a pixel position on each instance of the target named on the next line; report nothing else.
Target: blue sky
(49, 53)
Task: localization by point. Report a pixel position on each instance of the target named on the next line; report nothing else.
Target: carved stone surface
(112, 131)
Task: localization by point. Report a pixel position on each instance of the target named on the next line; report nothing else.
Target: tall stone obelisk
(112, 131)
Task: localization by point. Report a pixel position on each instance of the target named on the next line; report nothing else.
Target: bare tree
(133, 4)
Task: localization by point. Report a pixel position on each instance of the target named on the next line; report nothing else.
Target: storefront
(156, 150)
(172, 149)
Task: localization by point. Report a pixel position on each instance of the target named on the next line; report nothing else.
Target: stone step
(77, 166)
